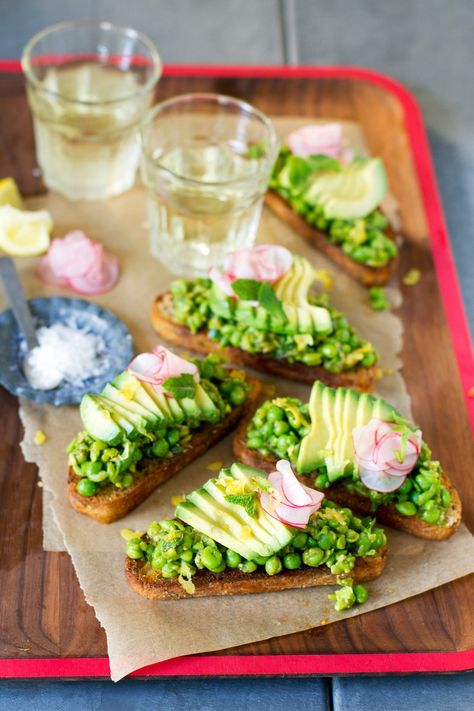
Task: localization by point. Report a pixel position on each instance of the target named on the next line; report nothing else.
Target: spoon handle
(16, 297)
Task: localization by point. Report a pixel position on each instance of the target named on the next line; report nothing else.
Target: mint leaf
(248, 501)
(181, 386)
(299, 171)
(246, 289)
(320, 162)
(270, 301)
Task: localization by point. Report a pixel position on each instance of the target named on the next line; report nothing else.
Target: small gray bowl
(84, 315)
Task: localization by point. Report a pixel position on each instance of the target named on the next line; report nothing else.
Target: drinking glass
(206, 161)
(89, 85)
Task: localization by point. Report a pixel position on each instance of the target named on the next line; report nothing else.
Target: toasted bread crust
(145, 581)
(360, 378)
(386, 513)
(111, 504)
(369, 276)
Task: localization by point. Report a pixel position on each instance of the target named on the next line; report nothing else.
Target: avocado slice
(259, 531)
(353, 192)
(114, 395)
(98, 421)
(334, 414)
(130, 421)
(209, 411)
(292, 290)
(191, 514)
(133, 389)
(227, 516)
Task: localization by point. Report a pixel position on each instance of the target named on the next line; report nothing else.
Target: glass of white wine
(206, 161)
(89, 85)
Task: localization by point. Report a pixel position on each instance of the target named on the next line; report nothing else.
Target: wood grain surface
(43, 611)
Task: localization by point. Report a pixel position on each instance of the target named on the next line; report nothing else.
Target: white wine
(85, 119)
(204, 200)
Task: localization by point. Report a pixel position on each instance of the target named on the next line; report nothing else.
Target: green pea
(406, 508)
(89, 468)
(284, 442)
(248, 566)
(311, 358)
(431, 515)
(133, 549)
(300, 540)
(172, 437)
(421, 498)
(157, 562)
(281, 427)
(233, 559)
(127, 480)
(341, 542)
(368, 359)
(311, 542)
(161, 448)
(445, 497)
(406, 487)
(364, 544)
(313, 557)
(329, 350)
(211, 557)
(86, 487)
(273, 565)
(327, 540)
(171, 525)
(275, 413)
(153, 530)
(321, 481)
(267, 430)
(237, 395)
(170, 570)
(255, 442)
(186, 556)
(361, 593)
(292, 561)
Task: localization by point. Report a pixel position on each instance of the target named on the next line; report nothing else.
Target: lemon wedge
(24, 233)
(9, 193)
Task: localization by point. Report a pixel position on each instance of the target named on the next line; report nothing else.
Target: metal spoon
(16, 298)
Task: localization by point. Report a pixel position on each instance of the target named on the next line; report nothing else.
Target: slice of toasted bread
(360, 378)
(141, 577)
(369, 276)
(386, 513)
(111, 504)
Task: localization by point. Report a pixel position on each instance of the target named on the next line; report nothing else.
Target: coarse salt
(63, 354)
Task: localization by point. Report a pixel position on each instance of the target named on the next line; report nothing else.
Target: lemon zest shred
(412, 277)
(127, 534)
(215, 466)
(40, 437)
(175, 500)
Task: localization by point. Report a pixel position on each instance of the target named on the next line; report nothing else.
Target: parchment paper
(140, 632)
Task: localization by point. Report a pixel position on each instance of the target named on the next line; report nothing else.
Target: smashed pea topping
(334, 537)
(99, 464)
(363, 239)
(348, 595)
(278, 427)
(336, 352)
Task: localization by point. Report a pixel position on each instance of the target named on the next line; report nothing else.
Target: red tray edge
(248, 665)
(237, 665)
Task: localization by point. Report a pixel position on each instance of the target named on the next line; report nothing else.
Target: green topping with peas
(348, 595)
(278, 427)
(119, 463)
(334, 538)
(363, 239)
(337, 351)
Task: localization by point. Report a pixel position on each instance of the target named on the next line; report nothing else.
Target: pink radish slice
(146, 367)
(272, 511)
(47, 274)
(222, 281)
(291, 487)
(316, 138)
(173, 365)
(380, 481)
(72, 255)
(98, 280)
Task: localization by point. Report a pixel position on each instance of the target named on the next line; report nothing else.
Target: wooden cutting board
(46, 626)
